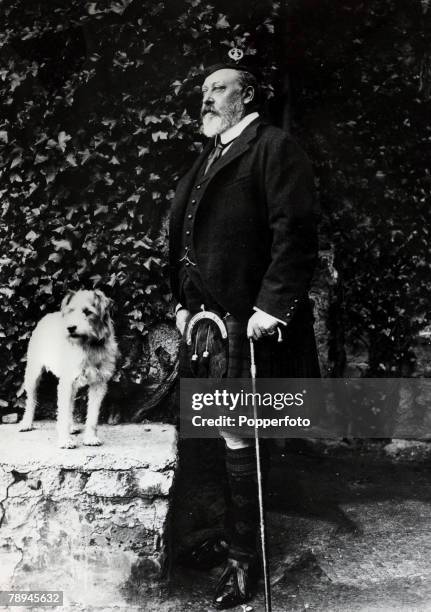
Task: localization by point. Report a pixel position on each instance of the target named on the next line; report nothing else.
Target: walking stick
(268, 607)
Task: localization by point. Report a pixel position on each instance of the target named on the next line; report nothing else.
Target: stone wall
(92, 522)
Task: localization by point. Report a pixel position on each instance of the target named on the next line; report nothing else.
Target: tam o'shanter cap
(238, 60)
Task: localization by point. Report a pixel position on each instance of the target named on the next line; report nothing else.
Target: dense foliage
(99, 106)
(361, 72)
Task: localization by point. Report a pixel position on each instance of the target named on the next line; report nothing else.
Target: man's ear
(248, 94)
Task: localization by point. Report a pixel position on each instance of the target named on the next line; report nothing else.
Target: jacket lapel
(185, 185)
(239, 146)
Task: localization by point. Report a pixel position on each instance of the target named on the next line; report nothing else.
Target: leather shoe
(236, 584)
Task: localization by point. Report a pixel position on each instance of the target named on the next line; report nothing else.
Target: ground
(349, 529)
(349, 532)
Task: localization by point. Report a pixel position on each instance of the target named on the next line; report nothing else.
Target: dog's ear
(102, 327)
(103, 303)
(109, 307)
(69, 295)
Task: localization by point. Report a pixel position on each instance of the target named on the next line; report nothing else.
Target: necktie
(214, 156)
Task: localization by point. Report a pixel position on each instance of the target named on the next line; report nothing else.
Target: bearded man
(243, 245)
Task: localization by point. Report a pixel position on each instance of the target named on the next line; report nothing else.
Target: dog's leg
(66, 396)
(75, 428)
(32, 376)
(96, 393)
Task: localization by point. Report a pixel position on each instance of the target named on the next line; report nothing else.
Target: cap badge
(236, 54)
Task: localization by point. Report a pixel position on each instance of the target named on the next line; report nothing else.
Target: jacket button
(187, 263)
(193, 201)
(189, 216)
(198, 186)
(292, 308)
(188, 233)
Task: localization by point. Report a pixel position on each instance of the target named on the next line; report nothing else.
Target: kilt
(295, 357)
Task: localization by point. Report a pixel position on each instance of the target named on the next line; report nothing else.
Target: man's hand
(261, 324)
(181, 319)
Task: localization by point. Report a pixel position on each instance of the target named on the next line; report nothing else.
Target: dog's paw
(91, 441)
(67, 443)
(25, 426)
(75, 429)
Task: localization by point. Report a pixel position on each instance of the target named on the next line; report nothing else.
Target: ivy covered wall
(361, 75)
(99, 104)
(98, 118)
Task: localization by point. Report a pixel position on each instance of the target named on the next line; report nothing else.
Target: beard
(216, 122)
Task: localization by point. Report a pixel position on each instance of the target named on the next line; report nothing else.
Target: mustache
(208, 109)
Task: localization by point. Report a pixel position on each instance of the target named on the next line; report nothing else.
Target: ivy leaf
(92, 9)
(143, 151)
(85, 155)
(17, 161)
(56, 257)
(63, 139)
(222, 22)
(61, 244)
(151, 119)
(159, 136)
(71, 159)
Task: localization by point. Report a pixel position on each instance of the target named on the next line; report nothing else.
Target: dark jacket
(254, 230)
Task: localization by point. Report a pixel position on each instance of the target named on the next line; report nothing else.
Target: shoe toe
(229, 599)
(235, 586)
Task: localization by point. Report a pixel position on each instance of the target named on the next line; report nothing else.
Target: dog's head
(86, 316)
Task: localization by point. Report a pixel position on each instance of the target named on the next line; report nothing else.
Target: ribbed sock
(244, 507)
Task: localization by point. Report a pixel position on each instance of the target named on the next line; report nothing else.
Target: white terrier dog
(78, 346)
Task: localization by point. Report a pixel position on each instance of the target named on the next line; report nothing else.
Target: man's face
(222, 101)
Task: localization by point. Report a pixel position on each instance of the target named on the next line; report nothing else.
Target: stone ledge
(150, 446)
(91, 521)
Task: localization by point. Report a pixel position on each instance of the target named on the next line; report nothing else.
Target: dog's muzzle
(76, 336)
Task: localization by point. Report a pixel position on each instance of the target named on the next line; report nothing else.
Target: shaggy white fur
(78, 346)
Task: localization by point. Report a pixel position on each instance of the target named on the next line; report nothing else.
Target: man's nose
(207, 98)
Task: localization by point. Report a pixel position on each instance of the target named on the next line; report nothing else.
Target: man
(243, 245)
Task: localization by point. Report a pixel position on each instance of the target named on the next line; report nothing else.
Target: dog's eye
(86, 311)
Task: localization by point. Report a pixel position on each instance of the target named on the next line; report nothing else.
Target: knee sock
(244, 507)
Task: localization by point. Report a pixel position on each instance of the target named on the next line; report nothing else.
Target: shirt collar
(234, 131)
